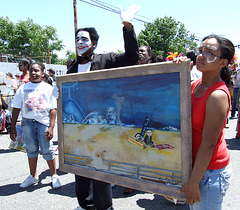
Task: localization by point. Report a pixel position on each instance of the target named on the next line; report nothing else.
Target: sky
(122, 94)
(200, 17)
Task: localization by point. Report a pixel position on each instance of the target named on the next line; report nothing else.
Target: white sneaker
(56, 184)
(30, 180)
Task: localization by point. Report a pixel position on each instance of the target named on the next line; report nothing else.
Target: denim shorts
(213, 187)
(35, 137)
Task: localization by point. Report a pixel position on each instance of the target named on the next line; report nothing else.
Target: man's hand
(128, 15)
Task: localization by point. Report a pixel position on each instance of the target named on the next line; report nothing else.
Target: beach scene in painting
(127, 126)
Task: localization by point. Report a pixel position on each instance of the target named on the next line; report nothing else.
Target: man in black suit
(93, 194)
(148, 138)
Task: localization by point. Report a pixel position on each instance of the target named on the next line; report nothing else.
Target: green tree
(6, 34)
(69, 55)
(27, 39)
(166, 35)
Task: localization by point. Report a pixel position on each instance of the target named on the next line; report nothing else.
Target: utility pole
(48, 56)
(75, 21)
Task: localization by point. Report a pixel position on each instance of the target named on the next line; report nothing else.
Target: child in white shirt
(36, 102)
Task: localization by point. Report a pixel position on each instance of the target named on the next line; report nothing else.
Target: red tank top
(221, 154)
(23, 80)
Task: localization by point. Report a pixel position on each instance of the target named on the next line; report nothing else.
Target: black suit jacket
(113, 60)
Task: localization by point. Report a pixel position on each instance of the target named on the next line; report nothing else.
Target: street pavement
(14, 170)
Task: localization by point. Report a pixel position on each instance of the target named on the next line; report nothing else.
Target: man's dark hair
(92, 33)
(51, 70)
(191, 54)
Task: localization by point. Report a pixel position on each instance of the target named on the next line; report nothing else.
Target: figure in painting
(148, 138)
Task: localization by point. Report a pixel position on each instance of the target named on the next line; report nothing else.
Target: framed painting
(129, 126)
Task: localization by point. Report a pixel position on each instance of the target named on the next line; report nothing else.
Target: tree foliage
(27, 39)
(166, 35)
(69, 55)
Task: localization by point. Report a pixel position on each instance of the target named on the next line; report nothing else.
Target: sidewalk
(14, 170)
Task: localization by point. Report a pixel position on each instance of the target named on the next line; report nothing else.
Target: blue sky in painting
(156, 96)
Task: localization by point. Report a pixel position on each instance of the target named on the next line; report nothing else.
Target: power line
(101, 2)
(114, 9)
(110, 8)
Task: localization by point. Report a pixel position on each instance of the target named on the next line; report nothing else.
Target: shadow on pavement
(159, 201)
(65, 190)
(4, 151)
(9, 189)
(233, 144)
(149, 204)
(117, 192)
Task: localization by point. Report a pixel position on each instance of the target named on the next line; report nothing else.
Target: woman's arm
(217, 106)
(15, 114)
(53, 114)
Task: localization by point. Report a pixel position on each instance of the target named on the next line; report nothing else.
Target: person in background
(195, 74)
(5, 116)
(47, 79)
(51, 74)
(13, 83)
(160, 58)
(236, 85)
(17, 76)
(94, 194)
(12, 87)
(35, 100)
(146, 55)
(69, 63)
(211, 103)
(23, 66)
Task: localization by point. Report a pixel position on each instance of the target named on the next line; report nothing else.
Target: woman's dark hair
(26, 61)
(42, 66)
(160, 58)
(9, 74)
(152, 55)
(153, 58)
(227, 52)
(149, 50)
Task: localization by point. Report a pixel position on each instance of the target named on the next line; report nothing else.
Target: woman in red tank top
(211, 172)
(23, 66)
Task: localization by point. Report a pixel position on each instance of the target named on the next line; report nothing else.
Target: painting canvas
(128, 126)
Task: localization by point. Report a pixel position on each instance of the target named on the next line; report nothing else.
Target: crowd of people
(212, 82)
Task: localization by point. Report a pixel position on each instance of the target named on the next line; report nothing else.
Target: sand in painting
(108, 142)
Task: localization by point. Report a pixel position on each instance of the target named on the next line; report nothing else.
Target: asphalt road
(14, 170)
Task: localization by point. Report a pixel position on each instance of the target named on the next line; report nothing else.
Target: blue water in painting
(132, 99)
